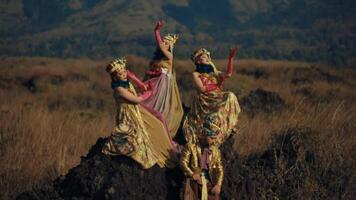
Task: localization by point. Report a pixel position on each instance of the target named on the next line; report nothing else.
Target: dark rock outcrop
(254, 72)
(262, 101)
(103, 177)
(307, 76)
(287, 169)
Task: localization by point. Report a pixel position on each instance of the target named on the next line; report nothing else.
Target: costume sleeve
(132, 76)
(184, 161)
(220, 168)
(229, 67)
(158, 35)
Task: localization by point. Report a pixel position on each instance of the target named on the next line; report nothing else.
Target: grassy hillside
(52, 110)
(318, 31)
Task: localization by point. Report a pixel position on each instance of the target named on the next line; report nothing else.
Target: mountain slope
(320, 31)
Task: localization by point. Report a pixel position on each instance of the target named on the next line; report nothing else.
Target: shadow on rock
(262, 101)
(103, 177)
(254, 72)
(285, 170)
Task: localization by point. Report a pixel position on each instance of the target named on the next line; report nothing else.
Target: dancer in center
(210, 98)
(165, 99)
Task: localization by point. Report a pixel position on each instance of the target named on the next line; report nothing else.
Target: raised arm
(229, 67)
(160, 43)
(165, 50)
(158, 37)
(124, 93)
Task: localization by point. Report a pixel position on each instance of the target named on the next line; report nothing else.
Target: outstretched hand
(196, 177)
(216, 190)
(146, 95)
(229, 69)
(233, 52)
(159, 25)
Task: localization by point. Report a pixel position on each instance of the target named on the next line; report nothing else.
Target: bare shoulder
(120, 90)
(195, 74)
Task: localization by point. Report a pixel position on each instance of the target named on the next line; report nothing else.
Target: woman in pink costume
(165, 100)
(211, 99)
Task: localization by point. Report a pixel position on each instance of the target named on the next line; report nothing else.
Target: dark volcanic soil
(284, 171)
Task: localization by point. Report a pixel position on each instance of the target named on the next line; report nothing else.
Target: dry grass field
(53, 110)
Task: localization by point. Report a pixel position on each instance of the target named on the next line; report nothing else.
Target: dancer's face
(202, 59)
(121, 75)
(166, 44)
(207, 141)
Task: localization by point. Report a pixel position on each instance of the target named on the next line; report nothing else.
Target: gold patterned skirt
(223, 104)
(140, 135)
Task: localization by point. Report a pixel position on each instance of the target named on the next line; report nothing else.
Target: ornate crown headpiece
(116, 65)
(199, 52)
(171, 38)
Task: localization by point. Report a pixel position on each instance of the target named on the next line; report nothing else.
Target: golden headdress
(116, 65)
(203, 51)
(199, 52)
(171, 39)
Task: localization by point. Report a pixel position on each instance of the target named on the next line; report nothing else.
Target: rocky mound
(288, 169)
(254, 72)
(102, 177)
(262, 101)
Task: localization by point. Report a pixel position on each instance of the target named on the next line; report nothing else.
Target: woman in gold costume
(211, 98)
(165, 101)
(138, 133)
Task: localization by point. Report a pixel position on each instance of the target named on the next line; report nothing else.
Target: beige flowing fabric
(176, 112)
(161, 144)
(165, 97)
